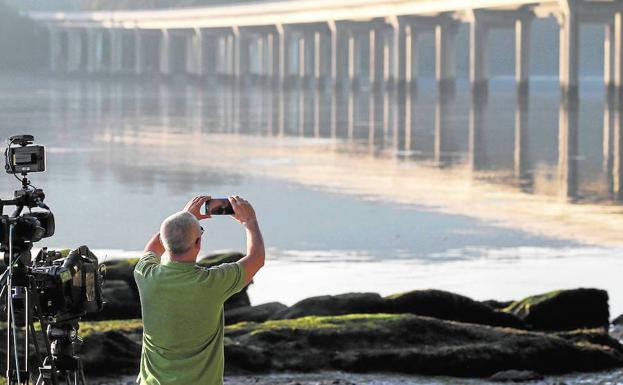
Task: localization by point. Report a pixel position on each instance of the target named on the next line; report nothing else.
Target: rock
(618, 320)
(449, 306)
(564, 310)
(591, 336)
(259, 313)
(246, 359)
(120, 302)
(516, 376)
(334, 305)
(406, 343)
(110, 352)
(496, 305)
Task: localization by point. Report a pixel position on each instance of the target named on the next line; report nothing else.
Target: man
(182, 303)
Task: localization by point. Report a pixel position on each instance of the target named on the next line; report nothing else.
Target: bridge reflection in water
(535, 144)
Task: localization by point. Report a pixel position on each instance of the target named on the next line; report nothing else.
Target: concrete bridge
(324, 42)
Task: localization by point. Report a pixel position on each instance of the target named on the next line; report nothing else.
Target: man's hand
(195, 205)
(243, 211)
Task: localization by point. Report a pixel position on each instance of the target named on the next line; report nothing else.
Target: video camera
(56, 288)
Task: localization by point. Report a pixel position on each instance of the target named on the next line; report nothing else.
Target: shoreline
(341, 378)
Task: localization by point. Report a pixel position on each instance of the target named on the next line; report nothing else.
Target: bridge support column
(324, 58)
(609, 56)
(377, 58)
(210, 52)
(55, 49)
(361, 59)
(478, 55)
(74, 50)
(194, 53)
(139, 53)
(411, 63)
(618, 51)
(278, 51)
(164, 62)
(400, 52)
(267, 56)
(342, 58)
(522, 53)
(116, 50)
(94, 51)
(568, 145)
(242, 56)
(569, 52)
(308, 58)
(445, 55)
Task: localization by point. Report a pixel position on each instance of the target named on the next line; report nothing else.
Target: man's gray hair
(176, 232)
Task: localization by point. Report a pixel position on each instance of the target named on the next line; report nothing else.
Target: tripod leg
(33, 334)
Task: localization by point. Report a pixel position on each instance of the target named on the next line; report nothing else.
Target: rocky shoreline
(422, 332)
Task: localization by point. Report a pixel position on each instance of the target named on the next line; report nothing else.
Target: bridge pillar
(522, 52)
(210, 53)
(569, 51)
(377, 58)
(445, 54)
(361, 59)
(164, 62)
(411, 62)
(267, 56)
(94, 50)
(308, 58)
(242, 57)
(618, 51)
(478, 55)
(139, 54)
(400, 52)
(55, 49)
(230, 55)
(609, 56)
(74, 50)
(116, 50)
(324, 58)
(194, 53)
(568, 145)
(342, 58)
(278, 57)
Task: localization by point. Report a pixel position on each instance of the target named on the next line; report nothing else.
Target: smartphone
(219, 206)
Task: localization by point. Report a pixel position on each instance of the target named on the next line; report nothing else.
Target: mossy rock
(450, 306)
(220, 258)
(400, 343)
(259, 313)
(334, 305)
(406, 343)
(564, 309)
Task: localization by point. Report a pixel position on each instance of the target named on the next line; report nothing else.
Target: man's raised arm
(254, 260)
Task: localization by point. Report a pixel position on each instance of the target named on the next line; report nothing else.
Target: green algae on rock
(564, 309)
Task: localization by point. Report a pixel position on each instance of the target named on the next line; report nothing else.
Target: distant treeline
(19, 42)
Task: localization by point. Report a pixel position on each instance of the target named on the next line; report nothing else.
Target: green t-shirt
(183, 320)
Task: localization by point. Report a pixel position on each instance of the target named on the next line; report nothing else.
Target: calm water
(355, 191)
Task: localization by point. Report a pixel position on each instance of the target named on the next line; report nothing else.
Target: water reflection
(494, 137)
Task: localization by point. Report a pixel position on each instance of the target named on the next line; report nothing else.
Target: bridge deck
(274, 12)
